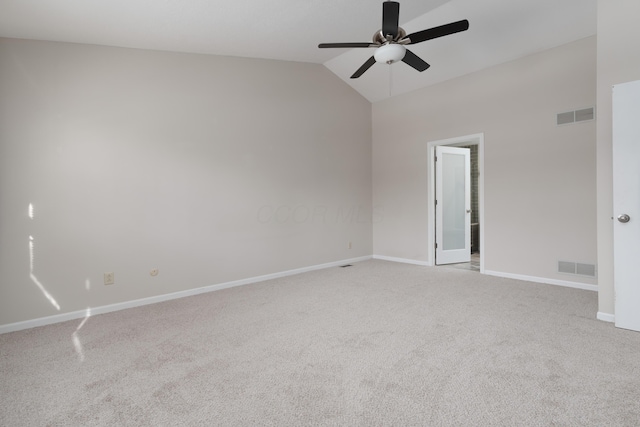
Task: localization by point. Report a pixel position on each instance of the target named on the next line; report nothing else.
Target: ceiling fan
(390, 41)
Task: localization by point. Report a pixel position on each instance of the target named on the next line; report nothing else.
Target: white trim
(402, 260)
(42, 321)
(606, 317)
(544, 280)
(474, 139)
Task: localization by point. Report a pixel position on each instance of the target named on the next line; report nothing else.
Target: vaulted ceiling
(290, 30)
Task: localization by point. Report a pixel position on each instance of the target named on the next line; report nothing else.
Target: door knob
(624, 218)
(469, 211)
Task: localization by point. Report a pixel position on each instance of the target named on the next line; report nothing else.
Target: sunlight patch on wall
(33, 277)
(46, 294)
(31, 254)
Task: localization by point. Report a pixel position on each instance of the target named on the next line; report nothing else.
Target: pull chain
(390, 79)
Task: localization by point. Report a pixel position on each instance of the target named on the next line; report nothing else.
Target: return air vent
(566, 267)
(576, 116)
(586, 269)
(580, 269)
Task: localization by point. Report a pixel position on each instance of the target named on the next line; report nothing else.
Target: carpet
(374, 344)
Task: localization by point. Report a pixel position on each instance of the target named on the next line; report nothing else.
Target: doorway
(475, 144)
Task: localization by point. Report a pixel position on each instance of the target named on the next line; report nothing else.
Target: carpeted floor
(375, 344)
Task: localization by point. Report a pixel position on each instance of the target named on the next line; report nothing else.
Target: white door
(453, 205)
(626, 204)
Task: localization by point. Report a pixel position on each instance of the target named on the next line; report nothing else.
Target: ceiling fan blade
(435, 32)
(364, 67)
(390, 15)
(364, 44)
(415, 61)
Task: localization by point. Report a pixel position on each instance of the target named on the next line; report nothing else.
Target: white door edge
(626, 201)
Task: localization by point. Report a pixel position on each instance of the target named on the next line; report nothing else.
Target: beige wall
(214, 169)
(210, 169)
(540, 179)
(618, 62)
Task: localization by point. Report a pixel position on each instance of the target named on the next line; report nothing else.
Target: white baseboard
(402, 260)
(27, 324)
(544, 280)
(606, 317)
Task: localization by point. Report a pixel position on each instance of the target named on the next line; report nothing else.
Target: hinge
(436, 158)
(436, 203)
(436, 246)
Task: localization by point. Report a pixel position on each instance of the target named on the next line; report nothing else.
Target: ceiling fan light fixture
(390, 53)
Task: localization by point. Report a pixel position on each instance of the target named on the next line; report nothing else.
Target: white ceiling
(500, 30)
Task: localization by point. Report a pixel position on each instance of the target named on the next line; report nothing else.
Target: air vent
(582, 115)
(566, 118)
(585, 115)
(586, 269)
(566, 267)
(580, 269)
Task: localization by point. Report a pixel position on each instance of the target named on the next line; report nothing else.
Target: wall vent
(585, 115)
(566, 267)
(586, 269)
(576, 116)
(580, 269)
(566, 118)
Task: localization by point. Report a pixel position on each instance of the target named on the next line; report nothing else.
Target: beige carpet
(374, 344)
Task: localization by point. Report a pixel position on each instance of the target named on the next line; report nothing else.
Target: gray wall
(210, 169)
(618, 62)
(540, 179)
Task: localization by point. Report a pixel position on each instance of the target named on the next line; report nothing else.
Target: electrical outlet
(109, 279)
(154, 272)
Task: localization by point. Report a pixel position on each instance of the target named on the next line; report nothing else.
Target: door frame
(474, 139)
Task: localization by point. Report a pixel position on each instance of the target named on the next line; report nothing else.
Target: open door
(453, 205)
(626, 204)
